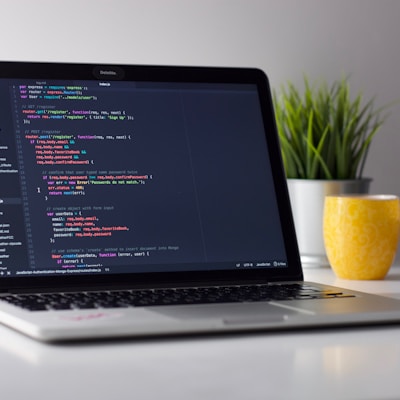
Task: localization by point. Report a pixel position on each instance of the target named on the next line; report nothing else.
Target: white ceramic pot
(307, 198)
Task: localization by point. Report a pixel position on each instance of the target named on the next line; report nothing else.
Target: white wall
(286, 38)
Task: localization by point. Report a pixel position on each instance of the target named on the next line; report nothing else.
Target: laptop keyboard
(159, 297)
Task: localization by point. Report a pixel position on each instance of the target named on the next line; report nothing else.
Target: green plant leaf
(324, 134)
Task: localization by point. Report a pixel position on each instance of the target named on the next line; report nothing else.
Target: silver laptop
(149, 200)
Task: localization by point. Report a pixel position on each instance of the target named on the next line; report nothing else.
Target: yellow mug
(361, 234)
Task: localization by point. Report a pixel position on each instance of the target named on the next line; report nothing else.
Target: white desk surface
(357, 363)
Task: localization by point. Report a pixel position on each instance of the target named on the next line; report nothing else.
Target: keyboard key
(159, 297)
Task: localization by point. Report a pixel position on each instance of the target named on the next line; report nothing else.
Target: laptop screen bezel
(74, 71)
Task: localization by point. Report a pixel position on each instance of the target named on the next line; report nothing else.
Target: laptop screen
(106, 176)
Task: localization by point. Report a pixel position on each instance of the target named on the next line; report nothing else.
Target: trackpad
(231, 313)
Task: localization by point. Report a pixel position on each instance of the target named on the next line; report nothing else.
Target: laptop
(140, 201)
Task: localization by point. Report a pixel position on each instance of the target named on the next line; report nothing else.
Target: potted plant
(325, 137)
